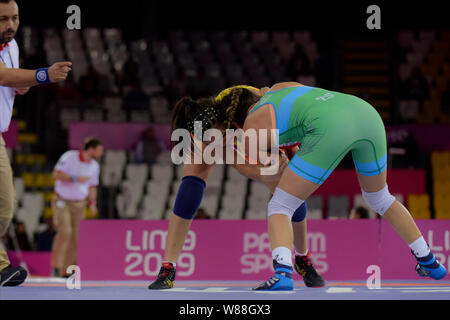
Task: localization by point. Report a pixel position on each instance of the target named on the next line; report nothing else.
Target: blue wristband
(42, 76)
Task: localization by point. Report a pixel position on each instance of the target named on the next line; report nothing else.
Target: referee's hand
(59, 71)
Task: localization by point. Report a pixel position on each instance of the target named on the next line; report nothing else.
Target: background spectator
(148, 148)
(44, 240)
(202, 214)
(136, 98)
(359, 213)
(21, 235)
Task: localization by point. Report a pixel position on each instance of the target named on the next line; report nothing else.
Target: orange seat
(419, 206)
(443, 213)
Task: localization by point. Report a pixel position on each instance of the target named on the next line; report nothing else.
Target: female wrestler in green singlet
(329, 125)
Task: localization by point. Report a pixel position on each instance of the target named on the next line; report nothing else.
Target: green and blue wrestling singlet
(328, 124)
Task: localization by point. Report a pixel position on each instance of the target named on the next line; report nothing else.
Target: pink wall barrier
(115, 136)
(429, 137)
(396, 258)
(38, 263)
(10, 136)
(239, 249)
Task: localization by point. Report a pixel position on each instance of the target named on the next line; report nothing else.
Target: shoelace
(308, 265)
(165, 271)
(307, 261)
(271, 281)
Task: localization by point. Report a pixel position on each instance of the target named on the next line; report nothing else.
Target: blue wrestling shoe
(429, 267)
(282, 280)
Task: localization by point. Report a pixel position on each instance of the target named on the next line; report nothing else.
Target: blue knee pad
(300, 213)
(189, 197)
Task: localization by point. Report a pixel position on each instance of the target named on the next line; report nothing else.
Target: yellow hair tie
(227, 91)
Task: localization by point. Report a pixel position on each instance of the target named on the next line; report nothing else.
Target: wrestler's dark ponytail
(231, 108)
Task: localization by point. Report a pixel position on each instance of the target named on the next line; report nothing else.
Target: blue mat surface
(56, 289)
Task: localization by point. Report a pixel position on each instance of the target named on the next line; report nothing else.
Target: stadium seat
(419, 206)
(30, 211)
(421, 47)
(113, 37)
(118, 157)
(44, 180)
(158, 187)
(9, 152)
(20, 188)
(302, 37)
(234, 201)
(30, 219)
(230, 214)
(257, 204)
(93, 115)
(29, 180)
(253, 214)
(48, 196)
(175, 186)
(48, 212)
(404, 71)
(315, 207)
(118, 116)
(358, 201)
(441, 201)
(307, 80)
(235, 188)
(69, 115)
(338, 207)
(140, 116)
(137, 173)
(234, 175)
(406, 38)
(210, 204)
(162, 172)
(112, 103)
(125, 209)
(128, 200)
(409, 109)
(259, 197)
(414, 59)
(152, 207)
(427, 36)
(443, 213)
(111, 174)
(259, 37)
(164, 157)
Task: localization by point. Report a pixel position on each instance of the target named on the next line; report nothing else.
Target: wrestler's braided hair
(211, 111)
(230, 112)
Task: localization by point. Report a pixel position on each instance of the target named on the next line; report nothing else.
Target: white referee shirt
(9, 56)
(72, 164)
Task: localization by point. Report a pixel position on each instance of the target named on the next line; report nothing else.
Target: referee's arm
(20, 78)
(59, 175)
